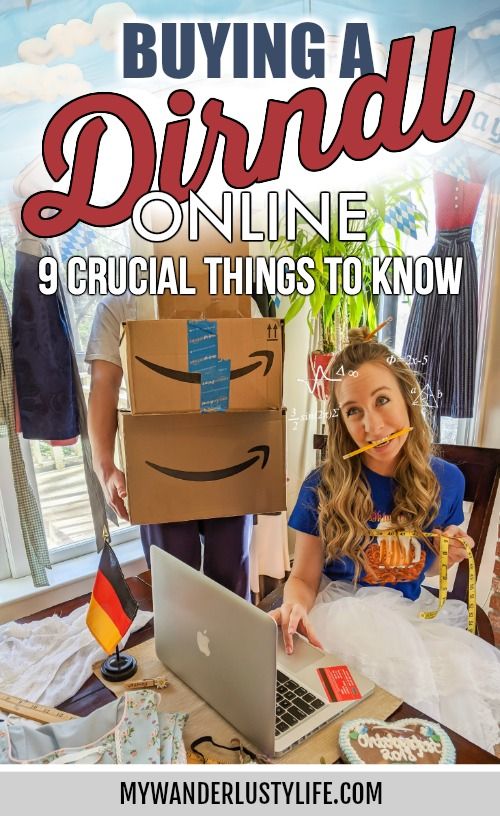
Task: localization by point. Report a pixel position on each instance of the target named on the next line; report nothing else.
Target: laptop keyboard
(293, 703)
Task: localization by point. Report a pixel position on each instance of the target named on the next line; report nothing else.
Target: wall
(300, 403)
(488, 426)
(494, 607)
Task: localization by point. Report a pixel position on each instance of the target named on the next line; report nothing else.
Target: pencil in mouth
(378, 442)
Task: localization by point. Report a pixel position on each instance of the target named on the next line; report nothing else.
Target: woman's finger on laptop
(298, 616)
(281, 616)
(311, 634)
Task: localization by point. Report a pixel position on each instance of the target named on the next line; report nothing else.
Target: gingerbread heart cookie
(404, 742)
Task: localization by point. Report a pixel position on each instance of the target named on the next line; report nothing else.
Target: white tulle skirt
(435, 665)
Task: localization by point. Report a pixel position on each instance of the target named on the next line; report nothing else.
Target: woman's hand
(291, 619)
(456, 549)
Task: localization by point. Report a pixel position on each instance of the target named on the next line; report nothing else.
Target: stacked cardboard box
(205, 434)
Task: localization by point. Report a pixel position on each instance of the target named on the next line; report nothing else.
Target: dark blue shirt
(398, 563)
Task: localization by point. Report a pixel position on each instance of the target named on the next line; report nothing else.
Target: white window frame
(5, 568)
(13, 559)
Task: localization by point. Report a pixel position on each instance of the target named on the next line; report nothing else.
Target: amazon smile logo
(195, 376)
(215, 475)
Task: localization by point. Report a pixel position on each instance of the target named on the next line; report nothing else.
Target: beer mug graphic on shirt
(394, 558)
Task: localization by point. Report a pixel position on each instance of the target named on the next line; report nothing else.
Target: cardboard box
(156, 361)
(202, 304)
(211, 243)
(181, 467)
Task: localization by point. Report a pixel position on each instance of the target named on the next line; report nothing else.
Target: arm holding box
(103, 402)
(103, 356)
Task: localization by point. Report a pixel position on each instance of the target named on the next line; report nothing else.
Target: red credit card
(338, 684)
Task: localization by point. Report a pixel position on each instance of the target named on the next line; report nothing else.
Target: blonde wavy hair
(345, 502)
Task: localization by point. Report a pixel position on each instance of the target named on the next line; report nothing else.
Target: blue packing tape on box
(203, 359)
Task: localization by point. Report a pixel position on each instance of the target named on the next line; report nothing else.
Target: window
(55, 472)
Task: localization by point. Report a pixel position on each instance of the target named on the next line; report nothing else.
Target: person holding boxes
(226, 540)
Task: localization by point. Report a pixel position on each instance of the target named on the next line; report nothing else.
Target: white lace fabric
(47, 661)
(436, 666)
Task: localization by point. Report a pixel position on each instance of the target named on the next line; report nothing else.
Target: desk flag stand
(111, 612)
(119, 666)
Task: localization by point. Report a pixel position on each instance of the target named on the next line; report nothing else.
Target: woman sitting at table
(370, 597)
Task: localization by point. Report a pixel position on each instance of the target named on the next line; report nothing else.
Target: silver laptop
(229, 653)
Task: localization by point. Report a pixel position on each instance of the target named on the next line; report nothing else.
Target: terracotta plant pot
(319, 373)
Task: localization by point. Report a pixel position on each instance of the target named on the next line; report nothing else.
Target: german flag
(112, 606)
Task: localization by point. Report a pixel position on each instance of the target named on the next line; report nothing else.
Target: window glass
(58, 469)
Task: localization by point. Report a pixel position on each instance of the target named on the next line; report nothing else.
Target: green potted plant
(335, 314)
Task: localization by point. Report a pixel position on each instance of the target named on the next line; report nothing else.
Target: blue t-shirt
(398, 563)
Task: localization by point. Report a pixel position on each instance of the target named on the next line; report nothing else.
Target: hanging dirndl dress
(441, 338)
(42, 353)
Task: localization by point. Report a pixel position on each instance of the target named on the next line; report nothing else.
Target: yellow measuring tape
(443, 571)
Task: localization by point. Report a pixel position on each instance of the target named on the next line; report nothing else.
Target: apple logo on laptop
(203, 640)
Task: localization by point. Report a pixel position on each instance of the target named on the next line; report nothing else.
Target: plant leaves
(295, 308)
(331, 303)
(355, 309)
(371, 316)
(383, 243)
(317, 299)
(382, 240)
